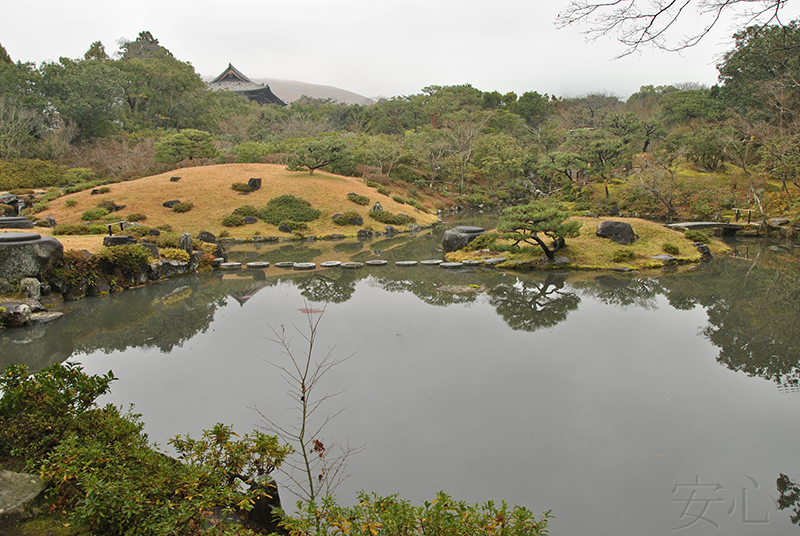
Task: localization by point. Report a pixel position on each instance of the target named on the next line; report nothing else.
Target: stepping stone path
(284, 264)
(493, 261)
(431, 262)
(304, 266)
(405, 263)
(376, 262)
(329, 264)
(230, 266)
(451, 265)
(257, 265)
(472, 263)
(352, 265)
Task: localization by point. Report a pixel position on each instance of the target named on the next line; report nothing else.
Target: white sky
(371, 47)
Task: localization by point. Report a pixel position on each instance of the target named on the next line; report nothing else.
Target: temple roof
(232, 79)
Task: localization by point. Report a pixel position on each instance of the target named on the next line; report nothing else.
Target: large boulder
(15, 314)
(118, 240)
(458, 237)
(185, 243)
(19, 494)
(16, 222)
(28, 255)
(618, 231)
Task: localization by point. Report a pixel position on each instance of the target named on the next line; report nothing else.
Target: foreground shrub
(137, 230)
(347, 217)
(233, 220)
(95, 213)
(697, 236)
(398, 199)
(174, 254)
(40, 206)
(391, 219)
(623, 255)
(7, 210)
(295, 225)
(165, 240)
(670, 248)
(24, 173)
(107, 204)
(246, 210)
(288, 207)
(241, 187)
(123, 263)
(183, 207)
(69, 203)
(391, 516)
(136, 216)
(75, 229)
(358, 199)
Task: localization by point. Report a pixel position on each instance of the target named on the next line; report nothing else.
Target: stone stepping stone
(431, 262)
(472, 263)
(230, 266)
(405, 263)
(257, 265)
(352, 265)
(304, 266)
(329, 264)
(45, 317)
(377, 262)
(494, 260)
(451, 265)
(284, 264)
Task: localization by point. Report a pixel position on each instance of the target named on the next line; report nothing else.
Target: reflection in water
(528, 304)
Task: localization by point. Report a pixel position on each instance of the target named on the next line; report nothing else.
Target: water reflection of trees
(528, 304)
(753, 308)
(623, 291)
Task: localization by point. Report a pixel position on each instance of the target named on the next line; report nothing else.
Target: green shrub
(40, 206)
(246, 210)
(183, 207)
(623, 255)
(174, 254)
(345, 218)
(94, 214)
(81, 187)
(52, 194)
(75, 229)
(22, 191)
(78, 175)
(224, 234)
(477, 199)
(23, 173)
(295, 225)
(670, 248)
(138, 230)
(123, 262)
(384, 191)
(7, 210)
(373, 184)
(391, 219)
(358, 199)
(103, 189)
(166, 241)
(107, 204)
(697, 236)
(69, 203)
(233, 220)
(417, 205)
(484, 241)
(398, 199)
(288, 207)
(37, 411)
(136, 216)
(165, 227)
(241, 187)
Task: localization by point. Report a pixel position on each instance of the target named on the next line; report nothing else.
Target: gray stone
(376, 262)
(154, 232)
(257, 265)
(45, 317)
(29, 255)
(304, 266)
(99, 287)
(15, 314)
(168, 268)
(174, 179)
(171, 203)
(118, 240)
(254, 184)
(30, 288)
(231, 266)
(51, 221)
(494, 260)
(357, 221)
(19, 495)
(777, 222)
(405, 263)
(390, 230)
(284, 228)
(703, 249)
(16, 222)
(451, 265)
(376, 206)
(431, 262)
(329, 264)
(458, 237)
(618, 231)
(249, 220)
(364, 233)
(152, 248)
(352, 265)
(185, 243)
(666, 259)
(284, 264)
(207, 237)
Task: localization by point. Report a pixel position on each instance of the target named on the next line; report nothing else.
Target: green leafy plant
(525, 223)
(398, 199)
(358, 199)
(107, 204)
(40, 206)
(388, 218)
(137, 230)
(69, 203)
(174, 254)
(233, 220)
(241, 187)
(288, 207)
(384, 191)
(295, 225)
(246, 210)
(103, 189)
(136, 216)
(95, 213)
(347, 217)
(670, 248)
(123, 263)
(75, 229)
(183, 207)
(623, 255)
(697, 236)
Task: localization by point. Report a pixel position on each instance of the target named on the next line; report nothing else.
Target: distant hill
(289, 91)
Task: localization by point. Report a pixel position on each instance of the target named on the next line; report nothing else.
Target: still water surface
(627, 405)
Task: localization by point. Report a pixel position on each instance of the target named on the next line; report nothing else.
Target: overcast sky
(371, 47)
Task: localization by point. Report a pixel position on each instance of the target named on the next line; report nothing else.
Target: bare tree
(18, 128)
(642, 23)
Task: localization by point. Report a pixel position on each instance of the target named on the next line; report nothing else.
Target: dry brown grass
(209, 189)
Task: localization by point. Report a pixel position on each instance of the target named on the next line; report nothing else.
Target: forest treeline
(679, 150)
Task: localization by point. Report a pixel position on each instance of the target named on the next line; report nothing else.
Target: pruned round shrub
(417, 205)
(246, 210)
(183, 207)
(165, 227)
(398, 199)
(295, 225)
(241, 187)
(69, 203)
(233, 220)
(166, 241)
(103, 189)
(623, 255)
(288, 207)
(136, 216)
(66, 229)
(95, 213)
(174, 254)
(670, 248)
(138, 230)
(40, 206)
(123, 262)
(109, 205)
(7, 210)
(388, 218)
(358, 199)
(346, 218)
(697, 236)
(384, 191)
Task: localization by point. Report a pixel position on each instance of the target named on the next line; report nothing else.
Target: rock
(185, 243)
(254, 184)
(19, 494)
(304, 266)
(51, 221)
(376, 262)
(99, 287)
(95, 192)
(666, 259)
(167, 268)
(14, 314)
(174, 179)
(16, 222)
(45, 317)
(265, 512)
(390, 231)
(207, 237)
(458, 237)
(249, 220)
(376, 206)
(153, 249)
(171, 203)
(703, 249)
(618, 231)
(284, 228)
(357, 221)
(118, 240)
(364, 233)
(30, 288)
(778, 222)
(28, 255)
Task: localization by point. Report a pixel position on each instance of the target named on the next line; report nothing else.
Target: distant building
(232, 79)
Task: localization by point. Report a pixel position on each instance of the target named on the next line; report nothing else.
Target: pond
(624, 403)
